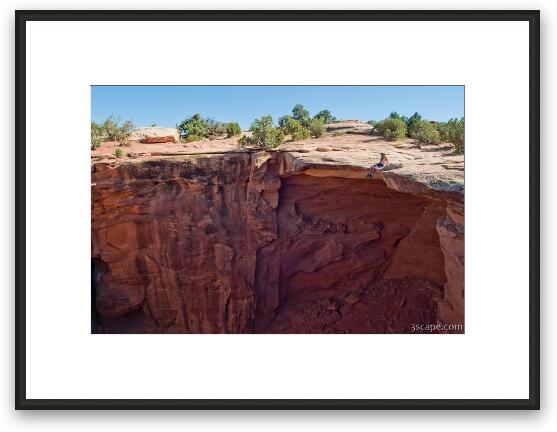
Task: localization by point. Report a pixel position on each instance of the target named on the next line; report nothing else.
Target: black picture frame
(531, 16)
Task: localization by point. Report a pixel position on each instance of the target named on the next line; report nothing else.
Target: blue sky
(168, 105)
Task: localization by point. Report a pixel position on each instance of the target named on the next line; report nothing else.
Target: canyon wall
(251, 242)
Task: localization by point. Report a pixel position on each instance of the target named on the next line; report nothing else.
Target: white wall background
(66, 361)
(431, 421)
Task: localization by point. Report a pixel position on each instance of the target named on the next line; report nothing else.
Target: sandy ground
(106, 150)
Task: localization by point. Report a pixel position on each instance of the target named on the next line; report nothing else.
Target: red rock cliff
(241, 242)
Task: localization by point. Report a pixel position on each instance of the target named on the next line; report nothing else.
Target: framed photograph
(267, 210)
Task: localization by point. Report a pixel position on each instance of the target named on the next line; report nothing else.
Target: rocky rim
(347, 150)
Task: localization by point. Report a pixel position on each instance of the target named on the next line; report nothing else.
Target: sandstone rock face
(170, 250)
(267, 242)
(451, 237)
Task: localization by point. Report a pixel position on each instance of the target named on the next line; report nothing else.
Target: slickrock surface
(203, 238)
(150, 134)
(434, 167)
(350, 127)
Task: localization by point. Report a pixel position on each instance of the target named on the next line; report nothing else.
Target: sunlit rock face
(265, 242)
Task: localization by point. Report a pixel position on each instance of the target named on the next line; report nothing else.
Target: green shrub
(293, 128)
(300, 134)
(233, 129)
(425, 132)
(244, 142)
(215, 128)
(338, 133)
(117, 130)
(97, 135)
(301, 118)
(394, 115)
(413, 122)
(453, 132)
(317, 127)
(283, 122)
(118, 152)
(326, 116)
(301, 114)
(391, 128)
(111, 129)
(199, 126)
(195, 125)
(191, 138)
(264, 135)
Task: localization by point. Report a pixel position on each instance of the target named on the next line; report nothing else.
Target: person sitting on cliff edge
(379, 165)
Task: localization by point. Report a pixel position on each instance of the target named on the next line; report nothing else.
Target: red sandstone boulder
(161, 139)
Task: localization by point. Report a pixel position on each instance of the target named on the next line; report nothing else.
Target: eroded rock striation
(244, 242)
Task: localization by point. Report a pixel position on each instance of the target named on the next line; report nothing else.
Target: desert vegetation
(96, 135)
(453, 132)
(290, 126)
(397, 127)
(425, 132)
(301, 114)
(192, 137)
(392, 128)
(264, 135)
(233, 129)
(326, 116)
(111, 129)
(317, 127)
(197, 127)
(300, 125)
